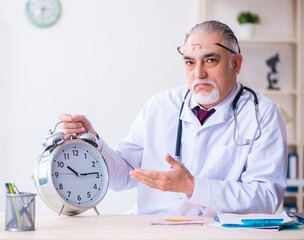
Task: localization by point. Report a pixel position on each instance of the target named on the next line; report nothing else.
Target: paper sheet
(178, 222)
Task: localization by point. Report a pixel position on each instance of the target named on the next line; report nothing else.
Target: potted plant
(247, 21)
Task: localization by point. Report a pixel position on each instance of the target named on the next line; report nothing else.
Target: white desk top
(132, 227)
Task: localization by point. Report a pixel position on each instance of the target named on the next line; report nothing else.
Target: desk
(132, 227)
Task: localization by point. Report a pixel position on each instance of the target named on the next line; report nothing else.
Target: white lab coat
(228, 178)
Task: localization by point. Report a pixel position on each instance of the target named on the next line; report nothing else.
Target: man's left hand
(177, 179)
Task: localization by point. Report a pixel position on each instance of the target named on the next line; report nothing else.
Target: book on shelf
(292, 170)
(290, 204)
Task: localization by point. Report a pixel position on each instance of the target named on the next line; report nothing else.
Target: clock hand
(42, 13)
(63, 173)
(84, 174)
(76, 173)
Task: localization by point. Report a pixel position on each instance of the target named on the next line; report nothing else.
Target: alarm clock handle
(53, 138)
(51, 132)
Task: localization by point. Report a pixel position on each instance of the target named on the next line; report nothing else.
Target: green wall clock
(43, 13)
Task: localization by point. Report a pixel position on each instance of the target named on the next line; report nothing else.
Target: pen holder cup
(20, 212)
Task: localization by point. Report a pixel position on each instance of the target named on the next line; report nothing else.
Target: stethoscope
(234, 103)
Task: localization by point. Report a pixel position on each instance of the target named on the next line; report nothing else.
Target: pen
(12, 191)
(24, 208)
(7, 188)
(11, 206)
(182, 220)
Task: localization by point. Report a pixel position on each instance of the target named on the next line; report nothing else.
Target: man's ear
(237, 63)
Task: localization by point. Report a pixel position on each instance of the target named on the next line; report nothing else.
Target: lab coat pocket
(223, 163)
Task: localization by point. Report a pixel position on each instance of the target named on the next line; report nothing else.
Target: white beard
(205, 98)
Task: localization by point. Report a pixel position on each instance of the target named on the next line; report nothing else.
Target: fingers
(177, 179)
(85, 123)
(73, 129)
(153, 179)
(75, 124)
(138, 172)
(171, 161)
(65, 117)
(80, 118)
(73, 118)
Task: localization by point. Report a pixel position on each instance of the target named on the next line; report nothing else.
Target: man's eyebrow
(188, 58)
(212, 54)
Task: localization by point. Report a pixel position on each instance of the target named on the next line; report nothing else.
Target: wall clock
(71, 176)
(43, 13)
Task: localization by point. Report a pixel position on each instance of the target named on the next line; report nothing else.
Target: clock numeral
(93, 163)
(66, 156)
(56, 174)
(75, 153)
(85, 155)
(60, 186)
(60, 164)
(97, 175)
(78, 198)
(95, 186)
(88, 194)
(69, 193)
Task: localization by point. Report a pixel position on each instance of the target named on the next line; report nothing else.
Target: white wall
(102, 58)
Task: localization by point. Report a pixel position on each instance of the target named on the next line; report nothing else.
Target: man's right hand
(75, 124)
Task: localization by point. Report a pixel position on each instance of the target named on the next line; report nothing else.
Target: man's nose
(200, 71)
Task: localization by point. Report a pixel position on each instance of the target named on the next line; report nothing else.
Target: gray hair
(219, 27)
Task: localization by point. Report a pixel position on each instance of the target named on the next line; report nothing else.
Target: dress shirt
(228, 178)
(202, 114)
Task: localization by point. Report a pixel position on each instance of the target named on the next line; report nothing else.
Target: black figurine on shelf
(272, 75)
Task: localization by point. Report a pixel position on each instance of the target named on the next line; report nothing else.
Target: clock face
(79, 174)
(43, 13)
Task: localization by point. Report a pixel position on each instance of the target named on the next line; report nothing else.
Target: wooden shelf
(268, 41)
(295, 182)
(291, 194)
(278, 92)
(292, 143)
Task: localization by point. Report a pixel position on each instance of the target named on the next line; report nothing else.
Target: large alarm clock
(71, 176)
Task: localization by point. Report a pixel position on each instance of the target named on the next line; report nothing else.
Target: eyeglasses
(205, 46)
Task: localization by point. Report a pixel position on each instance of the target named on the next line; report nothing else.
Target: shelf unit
(287, 40)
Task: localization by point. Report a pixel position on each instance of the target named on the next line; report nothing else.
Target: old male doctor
(215, 173)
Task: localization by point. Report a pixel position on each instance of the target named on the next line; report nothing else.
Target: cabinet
(280, 32)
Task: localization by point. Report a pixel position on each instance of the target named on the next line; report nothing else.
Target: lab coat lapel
(221, 115)
(223, 111)
(187, 114)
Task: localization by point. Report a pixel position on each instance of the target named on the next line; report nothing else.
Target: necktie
(202, 114)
